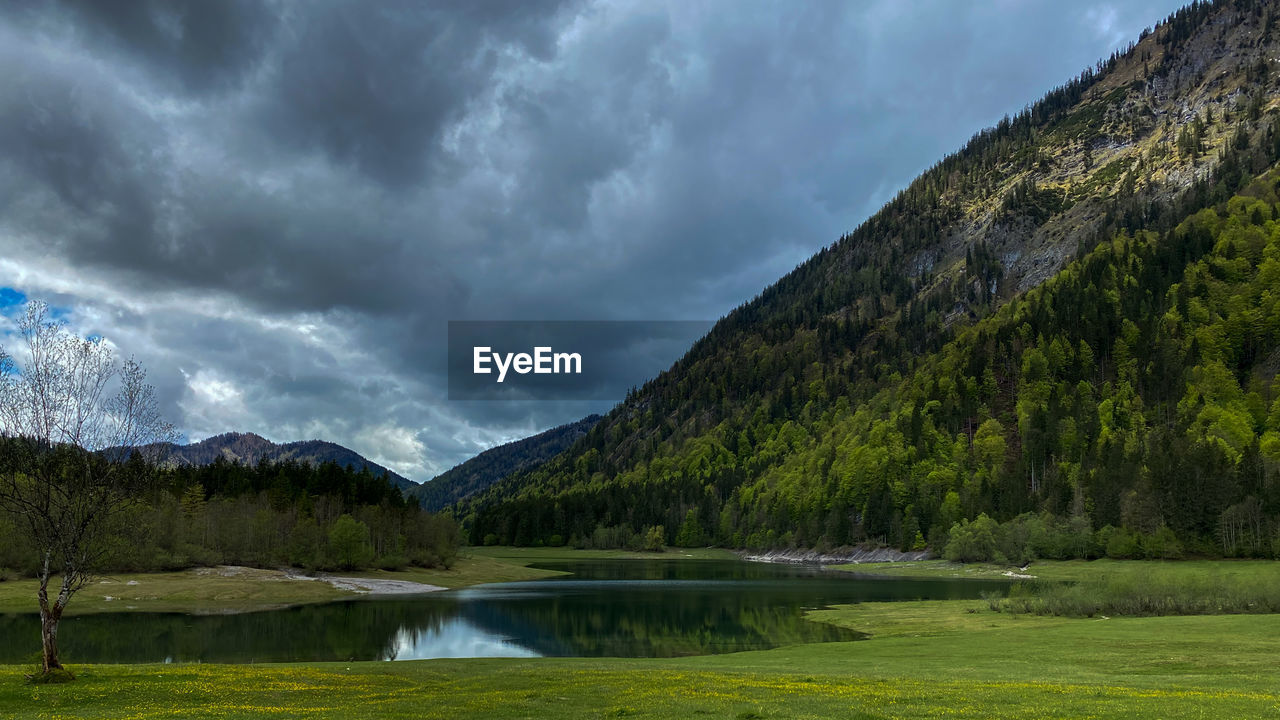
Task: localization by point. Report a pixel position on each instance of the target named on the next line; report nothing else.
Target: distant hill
(490, 466)
(249, 449)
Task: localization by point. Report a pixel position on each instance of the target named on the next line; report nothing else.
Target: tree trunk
(50, 615)
(49, 637)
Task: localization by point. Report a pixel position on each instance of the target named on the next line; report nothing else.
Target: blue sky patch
(9, 297)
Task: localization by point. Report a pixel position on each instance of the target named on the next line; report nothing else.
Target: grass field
(926, 659)
(922, 659)
(200, 590)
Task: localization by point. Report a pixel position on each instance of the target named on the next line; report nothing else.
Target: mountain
(1072, 318)
(250, 449)
(490, 466)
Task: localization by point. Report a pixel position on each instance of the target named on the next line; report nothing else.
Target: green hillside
(475, 475)
(1074, 315)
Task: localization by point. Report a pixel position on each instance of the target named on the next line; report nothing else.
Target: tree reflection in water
(625, 608)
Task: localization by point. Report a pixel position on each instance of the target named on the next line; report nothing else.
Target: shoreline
(362, 586)
(854, 556)
(234, 589)
(238, 589)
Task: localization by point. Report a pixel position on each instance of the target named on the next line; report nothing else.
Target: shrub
(654, 538)
(1163, 545)
(973, 541)
(349, 545)
(1124, 545)
(391, 561)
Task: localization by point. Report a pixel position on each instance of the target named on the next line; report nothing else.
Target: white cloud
(395, 447)
(211, 404)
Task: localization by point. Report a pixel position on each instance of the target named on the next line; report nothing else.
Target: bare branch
(65, 446)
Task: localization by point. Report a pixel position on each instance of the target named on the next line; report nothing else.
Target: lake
(615, 608)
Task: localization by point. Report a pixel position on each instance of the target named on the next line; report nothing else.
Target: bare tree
(76, 429)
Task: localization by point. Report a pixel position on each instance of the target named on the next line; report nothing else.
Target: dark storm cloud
(116, 187)
(64, 142)
(280, 205)
(190, 45)
(375, 84)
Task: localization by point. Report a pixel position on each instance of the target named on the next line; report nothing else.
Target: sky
(277, 207)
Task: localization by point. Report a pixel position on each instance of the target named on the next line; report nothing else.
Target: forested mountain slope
(921, 371)
(490, 466)
(250, 449)
(265, 514)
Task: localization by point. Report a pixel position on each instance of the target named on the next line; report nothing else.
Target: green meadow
(955, 659)
(933, 659)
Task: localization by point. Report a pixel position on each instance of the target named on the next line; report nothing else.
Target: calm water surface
(620, 608)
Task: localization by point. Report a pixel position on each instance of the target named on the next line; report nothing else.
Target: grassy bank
(1143, 594)
(202, 590)
(1077, 570)
(1079, 588)
(924, 659)
(217, 590)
